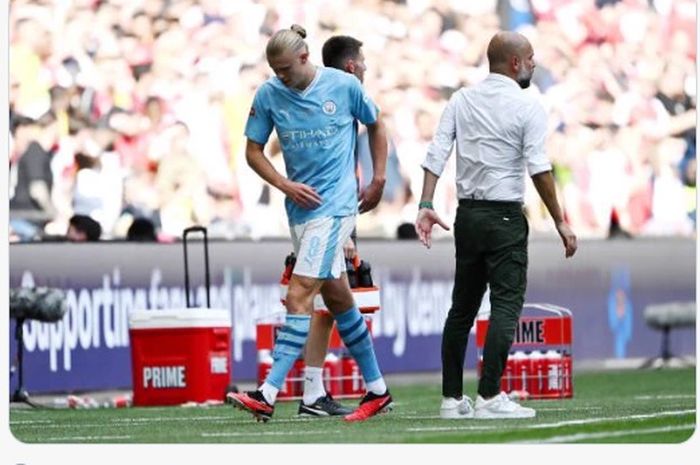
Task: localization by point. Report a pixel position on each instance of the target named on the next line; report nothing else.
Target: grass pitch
(630, 406)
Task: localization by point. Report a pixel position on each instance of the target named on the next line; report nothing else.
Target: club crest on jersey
(252, 111)
(329, 107)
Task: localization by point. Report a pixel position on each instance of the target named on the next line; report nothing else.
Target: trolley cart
(341, 375)
(540, 364)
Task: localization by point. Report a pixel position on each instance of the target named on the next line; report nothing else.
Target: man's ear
(350, 66)
(304, 57)
(514, 63)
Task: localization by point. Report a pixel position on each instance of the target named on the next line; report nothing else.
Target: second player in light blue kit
(313, 111)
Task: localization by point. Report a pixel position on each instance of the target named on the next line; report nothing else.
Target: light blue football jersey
(317, 135)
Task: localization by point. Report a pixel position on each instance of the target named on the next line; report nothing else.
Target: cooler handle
(187, 231)
(551, 308)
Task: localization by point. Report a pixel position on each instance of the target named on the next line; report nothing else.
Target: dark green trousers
(491, 248)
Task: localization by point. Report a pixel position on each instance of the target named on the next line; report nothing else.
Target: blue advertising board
(607, 286)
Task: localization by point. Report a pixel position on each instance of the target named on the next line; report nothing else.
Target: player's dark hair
(338, 49)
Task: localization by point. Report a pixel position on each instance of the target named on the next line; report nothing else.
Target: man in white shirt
(500, 131)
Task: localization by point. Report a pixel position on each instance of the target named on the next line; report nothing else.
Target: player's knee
(337, 298)
(298, 303)
(300, 295)
(340, 304)
(297, 306)
(507, 302)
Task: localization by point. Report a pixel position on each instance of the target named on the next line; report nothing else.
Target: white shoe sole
(486, 415)
(454, 414)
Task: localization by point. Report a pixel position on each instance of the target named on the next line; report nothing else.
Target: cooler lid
(196, 317)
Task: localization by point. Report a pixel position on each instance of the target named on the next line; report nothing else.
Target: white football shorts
(318, 245)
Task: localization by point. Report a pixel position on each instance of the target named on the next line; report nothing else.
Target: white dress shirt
(500, 130)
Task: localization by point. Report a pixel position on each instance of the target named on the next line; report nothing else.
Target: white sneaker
(453, 409)
(501, 406)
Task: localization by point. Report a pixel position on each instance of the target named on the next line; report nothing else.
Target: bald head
(504, 45)
(510, 53)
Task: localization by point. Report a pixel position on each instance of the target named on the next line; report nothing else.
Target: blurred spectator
(29, 50)
(181, 185)
(30, 204)
(98, 181)
(82, 228)
(104, 83)
(669, 215)
(142, 230)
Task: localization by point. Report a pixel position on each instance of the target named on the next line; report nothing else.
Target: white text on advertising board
(164, 377)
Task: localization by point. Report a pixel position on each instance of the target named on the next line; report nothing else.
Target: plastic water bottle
(537, 370)
(264, 364)
(554, 371)
(332, 371)
(520, 371)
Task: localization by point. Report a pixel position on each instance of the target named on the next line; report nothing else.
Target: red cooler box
(179, 356)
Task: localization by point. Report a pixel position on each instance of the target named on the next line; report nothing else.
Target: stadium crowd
(135, 109)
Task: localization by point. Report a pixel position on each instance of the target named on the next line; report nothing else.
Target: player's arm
(301, 194)
(435, 160)
(540, 170)
(378, 147)
(427, 217)
(544, 183)
(366, 112)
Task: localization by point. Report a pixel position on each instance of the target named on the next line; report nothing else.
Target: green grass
(640, 406)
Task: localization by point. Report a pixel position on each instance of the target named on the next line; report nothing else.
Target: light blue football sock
(288, 346)
(357, 339)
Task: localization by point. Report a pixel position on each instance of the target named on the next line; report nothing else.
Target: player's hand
(370, 197)
(302, 195)
(425, 221)
(349, 249)
(568, 238)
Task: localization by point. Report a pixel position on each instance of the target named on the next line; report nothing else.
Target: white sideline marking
(85, 438)
(473, 427)
(546, 409)
(608, 434)
(567, 409)
(558, 424)
(266, 433)
(159, 419)
(641, 416)
(669, 396)
(229, 419)
(212, 420)
(29, 422)
(73, 425)
(143, 421)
